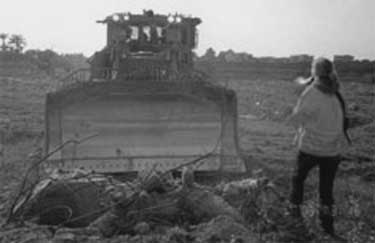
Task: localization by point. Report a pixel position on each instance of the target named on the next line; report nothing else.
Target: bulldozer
(143, 104)
(141, 107)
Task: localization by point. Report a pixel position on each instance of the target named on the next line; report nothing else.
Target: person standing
(319, 118)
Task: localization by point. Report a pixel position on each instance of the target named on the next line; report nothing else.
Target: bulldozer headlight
(178, 19)
(170, 18)
(126, 17)
(116, 18)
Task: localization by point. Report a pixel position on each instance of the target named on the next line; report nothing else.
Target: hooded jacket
(319, 118)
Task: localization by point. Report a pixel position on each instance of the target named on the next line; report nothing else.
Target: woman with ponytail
(319, 118)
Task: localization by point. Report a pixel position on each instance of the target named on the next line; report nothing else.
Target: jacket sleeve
(305, 110)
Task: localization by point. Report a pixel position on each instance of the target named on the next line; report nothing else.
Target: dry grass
(263, 137)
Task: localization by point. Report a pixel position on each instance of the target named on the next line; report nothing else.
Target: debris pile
(159, 201)
(223, 229)
(154, 207)
(154, 204)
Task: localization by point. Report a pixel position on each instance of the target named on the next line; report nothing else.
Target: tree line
(12, 42)
(13, 49)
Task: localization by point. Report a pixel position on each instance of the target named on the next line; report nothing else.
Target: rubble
(223, 229)
(204, 205)
(163, 203)
(153, 206)
(236, 188)
(25, 234)
(65, 237)
(166, 210)
(70, 199)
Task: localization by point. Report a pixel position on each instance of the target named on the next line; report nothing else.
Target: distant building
(283, 60)
(300, 58)
(343, 58)
(267, 59)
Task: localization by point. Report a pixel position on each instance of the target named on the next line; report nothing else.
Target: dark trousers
(327, 171)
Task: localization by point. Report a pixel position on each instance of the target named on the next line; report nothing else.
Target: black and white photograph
(176, 121)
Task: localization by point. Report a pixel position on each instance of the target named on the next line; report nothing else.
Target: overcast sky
(260, 27)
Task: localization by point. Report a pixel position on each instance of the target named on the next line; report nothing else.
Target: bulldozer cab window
(156, 34)
(134, 33)
(146, 33)
(159, 31)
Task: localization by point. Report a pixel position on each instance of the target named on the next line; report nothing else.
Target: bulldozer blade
(143, 126)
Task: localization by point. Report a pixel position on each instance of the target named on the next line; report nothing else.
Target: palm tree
(3, 37)
(17, 42)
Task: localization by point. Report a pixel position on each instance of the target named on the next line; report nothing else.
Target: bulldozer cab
(164, 42)
(142, 105)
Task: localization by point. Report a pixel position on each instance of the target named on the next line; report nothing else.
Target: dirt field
(267, 143)
(264, 105)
